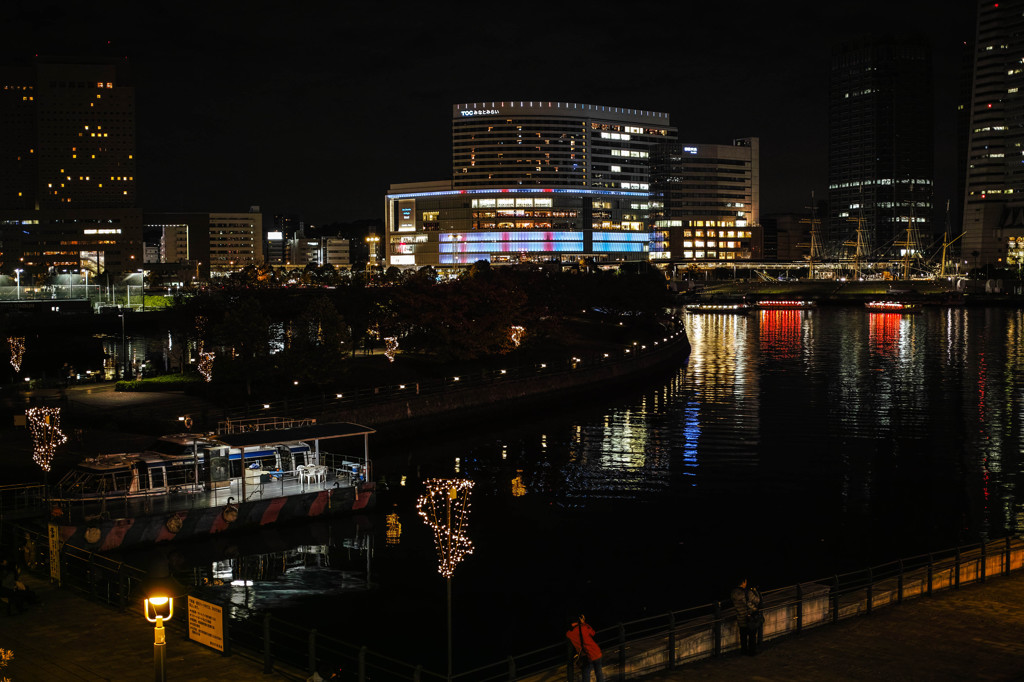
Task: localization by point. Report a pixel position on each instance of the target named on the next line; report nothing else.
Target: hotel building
(707, 200)
(67, 169)
(994, 200)
(534, 181)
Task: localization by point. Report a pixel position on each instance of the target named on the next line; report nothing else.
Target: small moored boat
(893, 307)
(792, 304)
(717, 308)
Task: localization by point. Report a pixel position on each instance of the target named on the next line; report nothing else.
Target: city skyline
(318, 112)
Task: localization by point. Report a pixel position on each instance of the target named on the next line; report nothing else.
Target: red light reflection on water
(884, 332)
(780, 332)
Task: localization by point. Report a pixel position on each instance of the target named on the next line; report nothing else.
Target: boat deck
(280, 484)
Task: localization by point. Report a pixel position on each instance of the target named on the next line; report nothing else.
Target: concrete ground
(69, 638)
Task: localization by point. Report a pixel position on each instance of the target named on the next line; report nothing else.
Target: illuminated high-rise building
(880, 163)
(68, 168)
(993, 220)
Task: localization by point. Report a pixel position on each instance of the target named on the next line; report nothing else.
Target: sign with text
(206, 623)
(54, 538)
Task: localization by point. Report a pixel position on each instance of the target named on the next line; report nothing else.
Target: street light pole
(17, 275)
(160, 590)
(124, 350)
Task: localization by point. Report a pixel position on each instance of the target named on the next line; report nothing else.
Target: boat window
(157, 477)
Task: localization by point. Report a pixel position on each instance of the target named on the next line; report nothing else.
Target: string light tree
(206, 365)
(390, 347)
(515, 334)
(17, 344)
(445, 509)
(44, 426)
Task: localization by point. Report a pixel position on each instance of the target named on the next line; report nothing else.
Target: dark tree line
(265, 335)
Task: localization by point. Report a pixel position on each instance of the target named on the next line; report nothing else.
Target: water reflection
(828, 439)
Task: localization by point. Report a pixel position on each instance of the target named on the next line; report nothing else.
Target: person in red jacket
(582, 637)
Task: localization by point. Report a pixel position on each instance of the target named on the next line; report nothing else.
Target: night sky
(315, 108)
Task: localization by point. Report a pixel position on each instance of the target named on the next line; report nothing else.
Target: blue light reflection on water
(789, 446)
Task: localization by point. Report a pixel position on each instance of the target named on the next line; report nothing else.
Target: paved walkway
(975, 633)
(69, 638)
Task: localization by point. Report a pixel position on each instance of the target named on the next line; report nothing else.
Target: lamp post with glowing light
(445, 508)
(158, 607)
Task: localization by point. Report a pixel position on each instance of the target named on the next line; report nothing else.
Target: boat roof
(250, 439)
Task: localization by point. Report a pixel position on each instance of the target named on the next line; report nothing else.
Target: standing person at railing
(747, 601)
(588, 653)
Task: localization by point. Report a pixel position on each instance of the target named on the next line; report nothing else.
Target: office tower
(68, 169)
(707, 199)
(286, 227)
(880, 165)
(994, 199)
(236, 241)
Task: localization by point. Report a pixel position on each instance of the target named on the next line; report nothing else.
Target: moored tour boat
(188, 485)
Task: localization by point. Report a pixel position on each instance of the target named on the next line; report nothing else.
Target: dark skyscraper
(881, 143)
(67, 169)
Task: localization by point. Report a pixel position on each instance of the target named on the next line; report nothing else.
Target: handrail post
(871, 589)
(716, 631)
(899, 585)
(799, 608)
(931, 565)
(570, 670)
(362, 663)
(511, 669)
(671, 640)
(312, 651)
(268, 664)
(417, 672)
(1006, 561)
(622, 654)
(956, 572)
(984, 560)
(835, 599)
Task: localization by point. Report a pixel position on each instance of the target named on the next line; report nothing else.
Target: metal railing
(631, 649)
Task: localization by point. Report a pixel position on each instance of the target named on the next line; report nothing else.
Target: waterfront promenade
(968, 634)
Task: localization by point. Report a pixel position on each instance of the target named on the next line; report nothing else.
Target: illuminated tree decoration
(516, 334)
(206, 365)
(44, 425)
(390, 346)
(17, 344)
(393, 532)
(445, 508)
(518, 489)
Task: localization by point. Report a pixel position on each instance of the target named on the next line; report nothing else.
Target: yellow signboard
(206, 623)
(54, 536)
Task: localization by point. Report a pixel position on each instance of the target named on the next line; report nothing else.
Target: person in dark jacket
(747, 602)
(582, 637)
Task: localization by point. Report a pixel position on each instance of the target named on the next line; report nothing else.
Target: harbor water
(790, 446)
